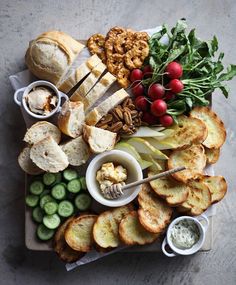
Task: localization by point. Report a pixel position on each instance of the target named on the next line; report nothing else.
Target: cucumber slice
(44, 233)
(51, 221)
(83, 201)
(59, 191)
(65, 209)
(49, 178)
(70, 174)
(45, 192)
(83, 183)
(36, 187)
(32, 200)
(58, 178)
(45, 199)
(50, 208)
(74, 186)
(37, 215)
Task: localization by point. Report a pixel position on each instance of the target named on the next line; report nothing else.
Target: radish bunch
(153, 99)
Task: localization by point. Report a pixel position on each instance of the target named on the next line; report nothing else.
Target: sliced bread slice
(132, 232)
(76, 150)
(104, 107)
(27, 164)
(99, 140)
(154, 214)
(47, 155)
(71, 118)
(212, 155)
(41, 130)
(216, 131)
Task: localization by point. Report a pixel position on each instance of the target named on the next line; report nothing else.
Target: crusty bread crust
(27, 164)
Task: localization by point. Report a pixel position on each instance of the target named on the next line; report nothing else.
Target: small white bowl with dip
(185, 235)
(134, 173)
(21, 98)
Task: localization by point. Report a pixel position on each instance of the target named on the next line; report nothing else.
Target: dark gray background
(21, 21)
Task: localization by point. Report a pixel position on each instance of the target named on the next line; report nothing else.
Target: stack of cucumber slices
(54, 197)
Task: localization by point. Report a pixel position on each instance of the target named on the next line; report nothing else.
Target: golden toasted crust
(199, 198)
(154, 214)
(188, 131)
(174, 192)
(217, 186)
(132, 232)
(78, 233)
(65, 253)
(193, 158)
(212, 155)
(216, 130)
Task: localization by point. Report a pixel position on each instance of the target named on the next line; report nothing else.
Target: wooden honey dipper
(116, 190)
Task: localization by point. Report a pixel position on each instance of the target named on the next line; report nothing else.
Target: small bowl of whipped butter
(185, 235)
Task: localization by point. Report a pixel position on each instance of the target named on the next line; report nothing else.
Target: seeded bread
(27, 164)
(41, 130)
(47, 155)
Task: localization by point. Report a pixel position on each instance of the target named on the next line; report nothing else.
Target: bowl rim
(99, 198)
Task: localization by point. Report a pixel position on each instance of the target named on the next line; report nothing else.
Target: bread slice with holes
(106, 228)
(79, 73)
(64, 252)
(216, 135)
(212, 155)
(93, 117)
(193, 158)
(188, 131)
(172, 191)
(41, 130)
(27, 164)
(99, 140)
(154, 214)
(199, 198)
(217, 186)
(71, 118)
(78, 233)
(133, 233)
(47, 155)
(76, 150)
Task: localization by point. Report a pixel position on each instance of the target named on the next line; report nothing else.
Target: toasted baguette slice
(99, 140)
(106, 228)
(132, 232)
(216, 130)
(78, 74)
(217, 186)
(188, 131)
(78, 233)
(88, 83)
(98, 90)
(76, 150)
(47, 155)
(173, 191)
(27, 164)
(199, 198)
(154, 214)
(103, 108)
(65, 253)
(212, 155)
(41, 130)
(71, 118)
(193, 158)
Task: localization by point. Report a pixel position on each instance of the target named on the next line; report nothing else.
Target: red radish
(136, 74)
(141, 103)
(176, 86)
(149, 118)
(147, 71)
(169, 95)
(158, 108)
(166, 120)
(156, 91)
(174, 70)
(138, 89)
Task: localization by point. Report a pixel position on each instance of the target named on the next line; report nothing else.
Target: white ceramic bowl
(134, 173)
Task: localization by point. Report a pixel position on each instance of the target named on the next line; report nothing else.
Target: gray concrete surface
(21, 21)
